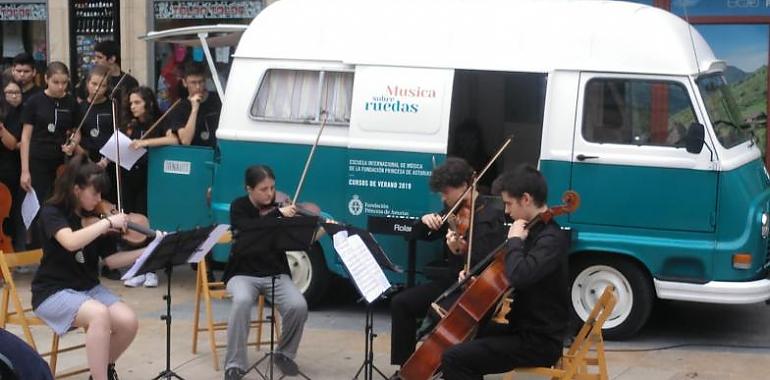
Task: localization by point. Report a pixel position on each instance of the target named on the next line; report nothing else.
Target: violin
(476, 301)
(138, 231)
(5, 210)
(460, 221)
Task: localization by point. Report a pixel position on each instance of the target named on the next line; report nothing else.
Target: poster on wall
(222, 9)
(23, 12)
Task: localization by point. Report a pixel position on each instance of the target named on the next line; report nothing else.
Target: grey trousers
(291, 306)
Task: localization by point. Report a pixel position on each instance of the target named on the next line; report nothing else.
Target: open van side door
(629, 161)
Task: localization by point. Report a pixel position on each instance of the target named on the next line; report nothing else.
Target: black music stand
(173, 249)
(383, 261)
(263, 235)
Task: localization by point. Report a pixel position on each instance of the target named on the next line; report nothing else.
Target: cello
(476, 301)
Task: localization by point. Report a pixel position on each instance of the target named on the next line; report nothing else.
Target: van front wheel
(633, 290)
(309, 273)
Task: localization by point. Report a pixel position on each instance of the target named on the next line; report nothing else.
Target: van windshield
(725, 116)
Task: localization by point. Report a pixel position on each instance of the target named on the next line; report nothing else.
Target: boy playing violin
(450, 180)
(536, 267)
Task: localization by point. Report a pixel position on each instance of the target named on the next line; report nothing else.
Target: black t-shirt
(9, 159)
(97, 128)
(244, 262)
(51, 118)
(26, 95)
(62, 269)
(205, 125)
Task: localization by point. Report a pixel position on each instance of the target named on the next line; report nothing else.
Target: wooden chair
(23, 316)
(217, 290)
(586, 351)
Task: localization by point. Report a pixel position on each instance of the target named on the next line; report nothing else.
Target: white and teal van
(621, 102)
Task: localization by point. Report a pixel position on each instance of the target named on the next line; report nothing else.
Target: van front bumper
(715, 291)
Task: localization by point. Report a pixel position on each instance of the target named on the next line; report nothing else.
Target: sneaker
(111, 373)
(25, 269)
(135, 281)
(287, 366)
(151, 280)
(234, 373)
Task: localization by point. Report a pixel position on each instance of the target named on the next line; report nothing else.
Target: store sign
(22, 12)
(179, 10)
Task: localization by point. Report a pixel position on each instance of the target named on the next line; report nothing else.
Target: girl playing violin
(250, 273)
(450, 180)
(536, 267)
(65, 290)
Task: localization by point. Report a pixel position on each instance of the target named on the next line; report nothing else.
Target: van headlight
(765, 227)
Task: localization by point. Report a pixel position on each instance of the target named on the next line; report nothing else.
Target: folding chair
(23, 316)
(217, 290)
(586, 351)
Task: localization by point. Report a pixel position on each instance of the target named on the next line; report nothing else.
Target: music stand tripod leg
(168, 373)
(270, 355)
(368, 365)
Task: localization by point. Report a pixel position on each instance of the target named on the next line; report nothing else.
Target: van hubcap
(588, 287)
(301, 269)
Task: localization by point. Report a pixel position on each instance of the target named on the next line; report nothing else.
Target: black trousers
(43, 174)
(498, 349)
(405, 308)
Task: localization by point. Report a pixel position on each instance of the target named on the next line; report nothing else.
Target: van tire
(309, 273)
(589, 275)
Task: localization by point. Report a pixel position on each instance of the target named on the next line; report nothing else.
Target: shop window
(301, 96)
(637, 112)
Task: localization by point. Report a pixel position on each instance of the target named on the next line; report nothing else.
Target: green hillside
(751, 96)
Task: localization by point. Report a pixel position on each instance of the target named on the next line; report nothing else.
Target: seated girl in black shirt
(65, 291)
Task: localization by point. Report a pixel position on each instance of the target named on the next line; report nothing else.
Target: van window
(301, 95)
(638, 112)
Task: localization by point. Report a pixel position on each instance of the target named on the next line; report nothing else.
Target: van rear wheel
(633, 290)
(309, 273)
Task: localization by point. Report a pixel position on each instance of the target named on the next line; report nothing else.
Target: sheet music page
(128, 156)
(131, 273)
(366, 273)
(29, 208)
(212, 239)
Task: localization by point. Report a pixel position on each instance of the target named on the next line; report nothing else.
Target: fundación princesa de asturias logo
(399, 99)
(355, 206)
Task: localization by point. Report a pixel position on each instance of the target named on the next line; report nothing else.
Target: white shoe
(135, 281)
(151, 280)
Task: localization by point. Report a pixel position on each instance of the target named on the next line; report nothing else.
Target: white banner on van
(401, 100)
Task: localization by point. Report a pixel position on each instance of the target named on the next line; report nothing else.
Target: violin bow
(88, 110)
(309, 158)
(157, 122)
(116, 133)
(477, 178)
(470, 229)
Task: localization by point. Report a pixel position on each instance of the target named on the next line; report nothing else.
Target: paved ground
(333, 343)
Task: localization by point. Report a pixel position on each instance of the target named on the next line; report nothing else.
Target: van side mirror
(694, 141)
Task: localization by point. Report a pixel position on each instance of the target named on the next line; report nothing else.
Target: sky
(743, 46)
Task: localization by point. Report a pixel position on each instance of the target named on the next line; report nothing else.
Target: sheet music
(131, 273)
(128, 156)
(29, 208)
(366, 273)
(212, 239)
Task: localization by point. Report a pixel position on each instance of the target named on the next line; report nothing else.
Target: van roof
(520, 35)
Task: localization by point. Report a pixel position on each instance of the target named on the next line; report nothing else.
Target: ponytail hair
(78, 171)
